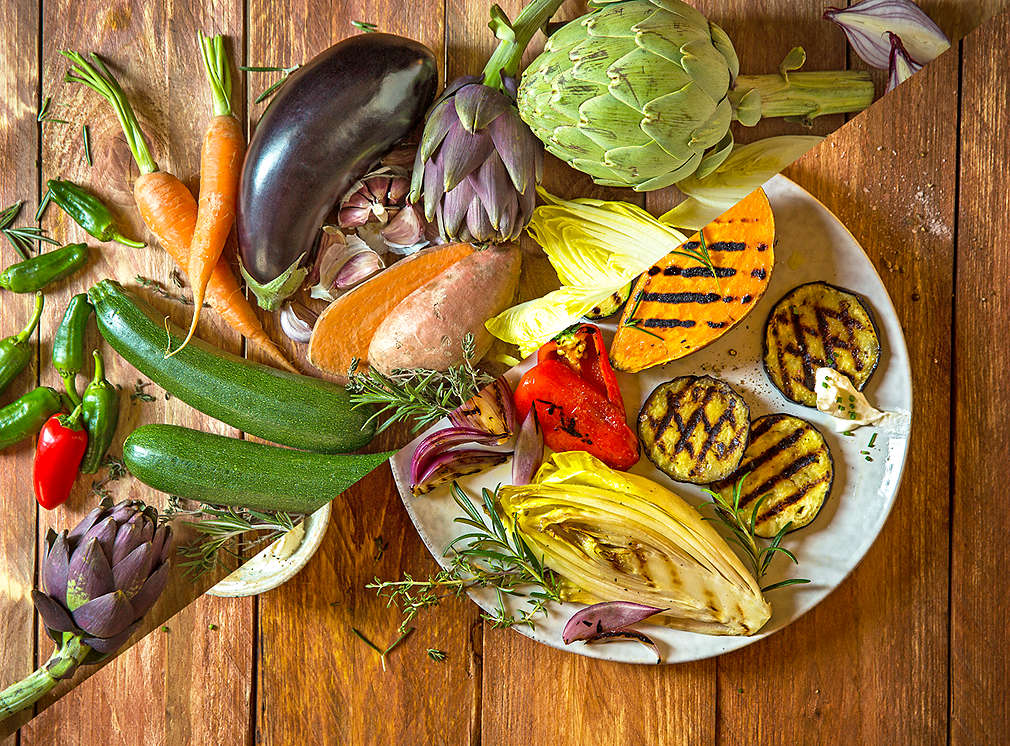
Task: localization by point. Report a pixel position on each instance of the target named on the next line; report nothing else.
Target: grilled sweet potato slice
(677, 307)
(818, 325)
(789, 474)
(694, 428)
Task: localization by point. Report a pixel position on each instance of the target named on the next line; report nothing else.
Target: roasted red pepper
(577, 400)
(61, 447)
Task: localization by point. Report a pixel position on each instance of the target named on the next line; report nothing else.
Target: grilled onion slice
(788, 464)
(694, 428)
(818, 325)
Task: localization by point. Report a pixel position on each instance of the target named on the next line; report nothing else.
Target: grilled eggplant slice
(819, 326)
(694, 428)
(789, 472)
(612, 304)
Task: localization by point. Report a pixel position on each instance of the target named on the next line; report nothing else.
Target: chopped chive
(848, 432)
(368, 28)
(87, 144)
(868, 458)
(873, 439)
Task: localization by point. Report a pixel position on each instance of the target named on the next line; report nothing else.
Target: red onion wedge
(529, 450)
(902, 66)
(610, 620)
(628, 634)
(867, 23)
(441, 441)
(491, 410)
(607, 616)
(451, 465)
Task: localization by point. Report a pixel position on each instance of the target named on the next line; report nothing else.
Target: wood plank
(183, 683)
(18, 181)
(155, 53)
(979, 665)
(315, 676)
(881, 636)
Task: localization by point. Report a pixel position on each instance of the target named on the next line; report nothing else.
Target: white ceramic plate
(811, 245)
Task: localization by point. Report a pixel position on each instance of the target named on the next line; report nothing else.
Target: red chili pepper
(62, 442)
(578, 404)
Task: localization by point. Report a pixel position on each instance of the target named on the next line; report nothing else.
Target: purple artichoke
(98, 581)
(478, 164)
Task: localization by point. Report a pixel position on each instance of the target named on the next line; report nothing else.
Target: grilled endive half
(615, 536)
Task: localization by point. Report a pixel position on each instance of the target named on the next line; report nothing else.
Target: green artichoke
(98, 581)
(641, 93)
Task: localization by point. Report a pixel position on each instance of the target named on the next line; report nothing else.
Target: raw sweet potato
(344, 330)
(426, 328)
(677, 306)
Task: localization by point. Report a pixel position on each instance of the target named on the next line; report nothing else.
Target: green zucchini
(275, 405)
(612, 304)
(241, 473)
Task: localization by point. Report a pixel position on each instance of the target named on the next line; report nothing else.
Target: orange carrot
(169, 210)
(220, 169)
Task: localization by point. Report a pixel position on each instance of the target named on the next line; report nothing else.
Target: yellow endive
(596, 247)
(614, 536)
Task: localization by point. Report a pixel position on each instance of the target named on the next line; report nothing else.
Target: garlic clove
(297, 321)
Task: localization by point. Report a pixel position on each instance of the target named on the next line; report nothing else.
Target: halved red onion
(491, 410)
(605, 617)
(451, 465)
(442, 440)
(529, 450)
(628, 634)
(867, 23)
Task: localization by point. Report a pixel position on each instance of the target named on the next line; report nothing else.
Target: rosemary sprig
(43, 205)
(700, 255)
(424, 396)
(489, 556)
(44, 115)
(741, 528)
(220, 526)
(22, 238)
(269, 69)
(636, 323)
(404, 634)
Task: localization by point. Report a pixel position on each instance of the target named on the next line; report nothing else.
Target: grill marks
(790, 472)
(678, 293)
(694, 428)
(814, 326)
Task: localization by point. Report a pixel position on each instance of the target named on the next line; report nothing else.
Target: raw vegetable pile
(381, 225)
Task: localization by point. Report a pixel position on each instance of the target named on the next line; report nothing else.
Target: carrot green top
(97, 77)
(218, 73)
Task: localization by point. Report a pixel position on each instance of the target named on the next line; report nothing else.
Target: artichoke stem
(803, 94)
(510, 50)
(63, 662)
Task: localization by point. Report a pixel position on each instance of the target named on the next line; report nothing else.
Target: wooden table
(906, 650)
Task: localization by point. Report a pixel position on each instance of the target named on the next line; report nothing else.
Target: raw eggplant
(789, 467)
(694, 428)
(330, 121)
(818, 325)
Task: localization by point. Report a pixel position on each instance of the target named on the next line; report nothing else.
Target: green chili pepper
(15, 350)
(38, 271)
(25, 417)
(88, 211)
(101, 415)
(68, 344)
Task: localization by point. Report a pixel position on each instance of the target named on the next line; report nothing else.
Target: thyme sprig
(490, 555)
(269, 69)
(424, 396)
(116, 471)
(741, 527)
(224, 531)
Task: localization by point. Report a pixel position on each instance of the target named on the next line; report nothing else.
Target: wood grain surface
(906, 650)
